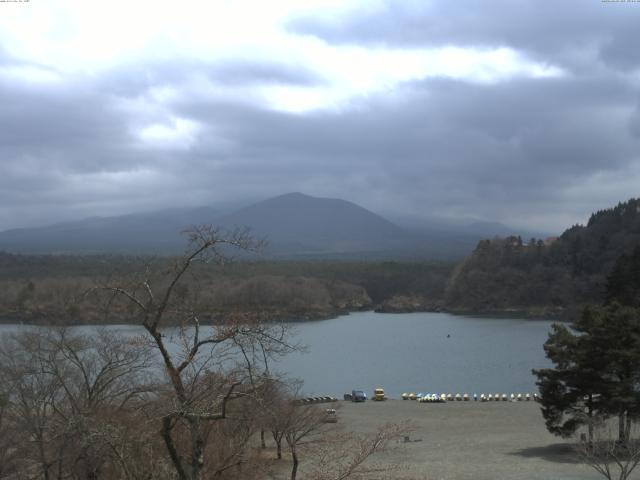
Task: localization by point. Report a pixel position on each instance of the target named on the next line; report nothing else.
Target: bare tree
(30, 400)
(8, 437)
(607, 455)
(347, 455)
(276, 405)
(269, 389)
(304, 424)
(64, 393)
(278, 423)
(100, 377)
(330, 454)
(199, 362)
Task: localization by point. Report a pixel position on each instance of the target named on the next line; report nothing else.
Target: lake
(413, 352)
(419, 352)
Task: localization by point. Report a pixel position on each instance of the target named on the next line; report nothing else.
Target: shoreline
(318, 316)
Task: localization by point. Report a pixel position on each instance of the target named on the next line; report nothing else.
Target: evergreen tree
(623, 284)
(569, 392)
(596, 371)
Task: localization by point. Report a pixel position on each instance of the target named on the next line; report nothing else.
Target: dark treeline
(52, 289)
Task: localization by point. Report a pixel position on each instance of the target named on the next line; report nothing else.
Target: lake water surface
(413, 352)
(419, 352)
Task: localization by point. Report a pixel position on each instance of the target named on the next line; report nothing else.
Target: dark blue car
(358, 396)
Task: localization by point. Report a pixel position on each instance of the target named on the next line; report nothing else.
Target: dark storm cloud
(484, 148)
(548, 30)
(56, 131)
(64, 126)
(634, 122)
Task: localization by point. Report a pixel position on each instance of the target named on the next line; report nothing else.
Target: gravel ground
(469, 440)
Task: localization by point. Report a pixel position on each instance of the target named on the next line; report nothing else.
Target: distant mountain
(295, 226)
(558, 275)
(469, 231)
(153, 232)
(301, 225)
(454, 239)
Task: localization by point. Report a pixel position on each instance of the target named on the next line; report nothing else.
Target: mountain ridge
(297, 226)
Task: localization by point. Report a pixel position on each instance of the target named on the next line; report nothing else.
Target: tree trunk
(278, 439)
(197, 454)
(590, 414)
(173, 453)
(294, 468)
(43, 461)
(621, 427)
(263, 444)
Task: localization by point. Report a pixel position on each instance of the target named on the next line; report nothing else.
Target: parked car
(358, 396)
(330, 416)
(378, 394)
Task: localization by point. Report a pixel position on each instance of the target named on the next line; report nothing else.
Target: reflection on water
(420, 352)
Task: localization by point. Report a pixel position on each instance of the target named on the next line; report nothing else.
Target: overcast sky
(520, 111)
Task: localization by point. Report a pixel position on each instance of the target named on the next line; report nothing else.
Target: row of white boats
(465, 397)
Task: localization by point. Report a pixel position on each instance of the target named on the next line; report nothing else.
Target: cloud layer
(522, 111)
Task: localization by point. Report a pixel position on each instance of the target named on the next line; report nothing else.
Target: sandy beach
(468, 440)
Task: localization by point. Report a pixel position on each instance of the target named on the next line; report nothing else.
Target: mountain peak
(295, 225)
(293, 195)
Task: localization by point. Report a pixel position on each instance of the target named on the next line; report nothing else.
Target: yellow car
(378, 394)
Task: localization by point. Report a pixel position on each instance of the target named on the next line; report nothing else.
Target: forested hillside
(548, 277)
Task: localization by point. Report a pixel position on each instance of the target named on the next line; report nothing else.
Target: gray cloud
(553, 31)
(134, 79)
(520, 150)
(250, 73)
(483, 148)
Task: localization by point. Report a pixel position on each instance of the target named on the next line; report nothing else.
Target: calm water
(411, 352)
(419, 352)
